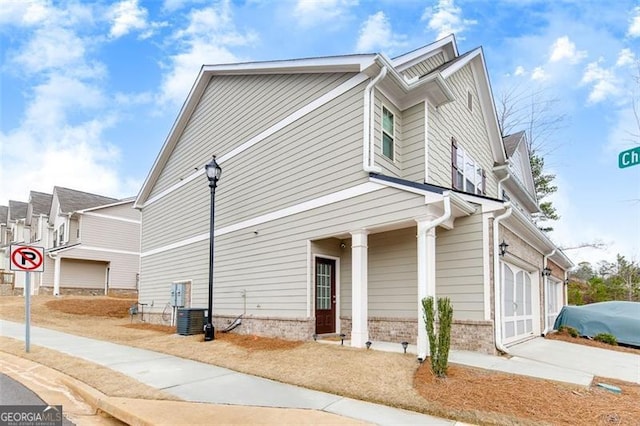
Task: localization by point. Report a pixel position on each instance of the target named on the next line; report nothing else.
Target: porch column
(359, 284)
(56, 276)
(426, 278)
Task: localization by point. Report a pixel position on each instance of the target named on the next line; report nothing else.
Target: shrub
(607, 338)
(569, 330)
(439, 348)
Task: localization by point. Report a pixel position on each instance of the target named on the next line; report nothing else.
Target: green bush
(439, 348)
(569, 330)
(607, 338)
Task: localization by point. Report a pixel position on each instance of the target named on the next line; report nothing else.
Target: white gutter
(426, 272)
(545, 282)
(504, 167)
(497, 299)
(368, 146)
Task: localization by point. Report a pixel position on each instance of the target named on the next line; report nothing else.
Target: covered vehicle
(621, 319)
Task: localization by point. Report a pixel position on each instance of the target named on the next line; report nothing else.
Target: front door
(325, 296)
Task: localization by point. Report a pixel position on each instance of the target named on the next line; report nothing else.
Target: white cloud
(519, 70)
(604, 82)
(206, 40)
(445, 18)
(50, 48)
(539, 74)
(563, 48)
(376, 33)
(23, 13)
(316, 12)
(127, 16)
(634, 23)
(625, 57)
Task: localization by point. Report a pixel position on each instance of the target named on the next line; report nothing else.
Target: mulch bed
(565, 337)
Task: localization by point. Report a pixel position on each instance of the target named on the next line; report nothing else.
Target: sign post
(27, 259)
(628, 158)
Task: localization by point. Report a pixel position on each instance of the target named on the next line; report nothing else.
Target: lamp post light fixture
(546, 272)
(368, 343)
(503, 248)
(404, 346)
(213, 172)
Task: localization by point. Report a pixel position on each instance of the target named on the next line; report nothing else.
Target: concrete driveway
(596, 361)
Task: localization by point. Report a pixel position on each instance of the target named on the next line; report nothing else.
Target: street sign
(628, 158)
(27, 258)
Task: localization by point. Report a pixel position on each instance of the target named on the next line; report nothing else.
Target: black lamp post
(213, 171)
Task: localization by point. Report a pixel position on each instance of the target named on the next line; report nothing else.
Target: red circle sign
(26, 259)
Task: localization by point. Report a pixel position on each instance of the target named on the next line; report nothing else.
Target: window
(466, 173)
(388, 133)
(61, 234)
(55, 238)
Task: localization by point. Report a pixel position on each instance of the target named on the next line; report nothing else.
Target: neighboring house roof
(511, 142)
(72, 200)
(17, 210)
(4, 212)
(40, 202)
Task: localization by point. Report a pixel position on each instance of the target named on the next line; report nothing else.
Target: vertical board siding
(230, 113)
(318, 154)
(468, 127)
(413, 143)
(270, 267)
(459, 267)
(425, 67)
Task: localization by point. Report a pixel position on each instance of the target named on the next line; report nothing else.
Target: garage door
(517, 304)
(78, 273)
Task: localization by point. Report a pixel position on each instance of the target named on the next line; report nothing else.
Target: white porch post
(426, 278)
(56, 276)
(359, 284)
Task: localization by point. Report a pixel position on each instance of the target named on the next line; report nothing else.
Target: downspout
(423, 271)
(545, 308)
(505, 167)
(368, 146)
(497, 294)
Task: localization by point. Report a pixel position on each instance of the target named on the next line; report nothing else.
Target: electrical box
(178, 293)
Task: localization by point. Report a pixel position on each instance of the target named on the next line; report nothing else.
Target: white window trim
(467, 158)
(383, 131)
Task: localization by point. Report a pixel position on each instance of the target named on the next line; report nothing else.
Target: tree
(534, 112)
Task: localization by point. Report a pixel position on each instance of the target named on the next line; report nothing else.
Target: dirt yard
(467, 394)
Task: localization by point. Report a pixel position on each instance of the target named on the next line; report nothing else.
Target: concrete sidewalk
(197, 382)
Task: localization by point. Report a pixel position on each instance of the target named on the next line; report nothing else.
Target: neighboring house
(352, 187)
(6, 276)
(37, 220)
(16, 232)
(94, 246)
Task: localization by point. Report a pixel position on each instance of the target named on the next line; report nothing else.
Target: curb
(102, 402)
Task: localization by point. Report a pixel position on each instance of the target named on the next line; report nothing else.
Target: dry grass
(474, 396)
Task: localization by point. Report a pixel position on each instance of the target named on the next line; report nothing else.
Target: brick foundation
(474, 336)
(123, 293)
(69, 291)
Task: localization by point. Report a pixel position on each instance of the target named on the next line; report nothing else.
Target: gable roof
(4, 212)
(17, 210)
(512, 141)
(40, 202)
(72, 200)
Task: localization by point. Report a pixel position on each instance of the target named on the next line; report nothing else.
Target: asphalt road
(15, 393)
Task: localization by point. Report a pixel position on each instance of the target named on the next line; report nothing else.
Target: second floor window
(466, 173)
(388, 133)
(61, 234)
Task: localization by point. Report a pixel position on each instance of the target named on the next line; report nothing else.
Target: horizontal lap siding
(125, 211)
(272, 265)
(424, 67)
(413, 143)
(459, 267)
(468, 128)
(110, 234)
(233, 109)
(319, 154)
(390, 168)
(393, 271)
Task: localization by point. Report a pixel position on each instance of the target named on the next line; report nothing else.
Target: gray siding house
(352, 187)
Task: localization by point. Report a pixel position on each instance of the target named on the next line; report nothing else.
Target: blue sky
(89, 90)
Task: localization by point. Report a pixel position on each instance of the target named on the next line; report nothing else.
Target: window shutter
(454, 162)
(484, 182)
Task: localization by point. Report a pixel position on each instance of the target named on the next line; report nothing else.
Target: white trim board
(105, 216)
(335, 197)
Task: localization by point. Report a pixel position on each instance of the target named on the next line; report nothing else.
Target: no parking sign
(27, 258)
